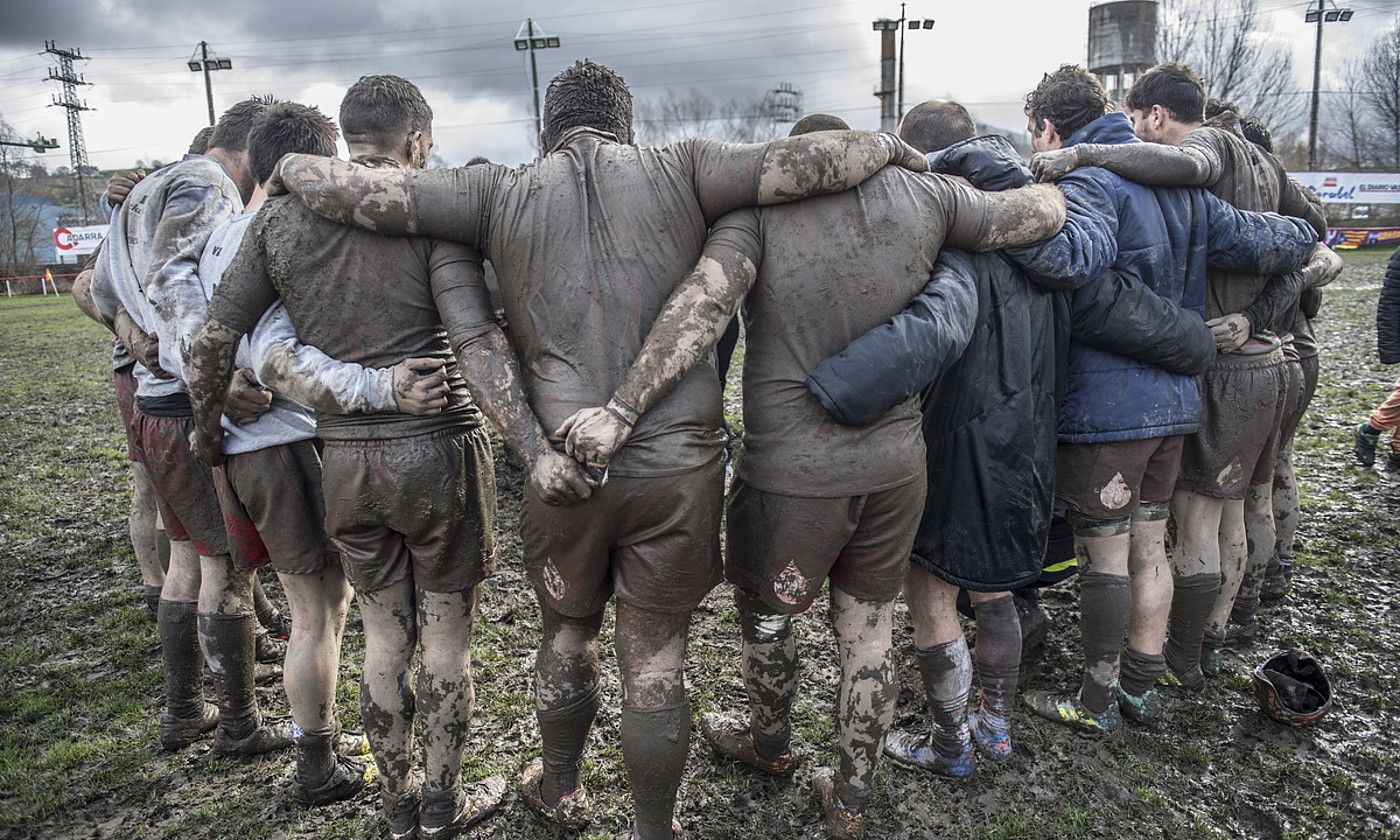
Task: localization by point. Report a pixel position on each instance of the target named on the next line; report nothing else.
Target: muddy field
(81, 686)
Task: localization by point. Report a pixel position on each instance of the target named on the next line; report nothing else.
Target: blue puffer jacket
(1164, 238)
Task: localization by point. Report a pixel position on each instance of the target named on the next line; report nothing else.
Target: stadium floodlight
(1332, 16)
(530, 38)
(195, 67)
(1319, 14)
(521, 45)
(1312, 16)
(225, 64)
(1346, 15)
(886, 25)
(552, 41)
(928, 23)
(538, 43)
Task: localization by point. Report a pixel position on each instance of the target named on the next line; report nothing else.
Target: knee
(759, 625)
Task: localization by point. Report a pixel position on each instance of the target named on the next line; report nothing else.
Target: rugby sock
(315, 758)
(655, 744)
(1193, 598)
(770, 678)
(1141, 670)
(152, 597)
(998, 659)
(184, 666)
(947, 673)
(228, 639)
(1105, 608)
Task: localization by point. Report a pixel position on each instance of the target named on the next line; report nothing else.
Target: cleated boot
(449, 813)
(1066, 709)
(841, 822)
(401, 812)
(572, 812)
(1364, 440)
(177, 733)
(1276, 580)
(734, 741)
(351, 744)
(1145, 709)
(1191, 683)
(262, 737)
(993, 738)
(268, 649)
(919, 752)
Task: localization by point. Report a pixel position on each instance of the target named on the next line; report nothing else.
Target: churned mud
(82, 686)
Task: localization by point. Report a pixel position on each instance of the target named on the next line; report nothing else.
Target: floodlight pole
(1341, 15)
(535, 85)
(208, 85)
(902, 25)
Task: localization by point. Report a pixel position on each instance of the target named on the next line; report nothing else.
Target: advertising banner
(1348, 238)
(1352, 187)
(76, 241)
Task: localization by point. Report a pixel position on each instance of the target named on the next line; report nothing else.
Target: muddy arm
(1022, 217)
(82, 296)
(1156, 164)
(828, 162)
(210, 370)
(312, 378)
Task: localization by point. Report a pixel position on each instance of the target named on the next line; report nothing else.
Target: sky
(985, 53)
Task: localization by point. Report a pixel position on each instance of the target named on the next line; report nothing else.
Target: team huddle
(946, 363)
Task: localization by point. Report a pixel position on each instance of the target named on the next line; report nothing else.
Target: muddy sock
(564, 731)
(228, 639)
(151, 594)
(770, 678)
(1105, 608)
(998, 659)
(1193, 597)
(1246, 607)
(947, 673)
(1141, 670)
(268, 615)
(184, 666)
(655, 744)
(315, 758)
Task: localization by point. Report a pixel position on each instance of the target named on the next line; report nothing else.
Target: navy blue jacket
(1388, 313)
(1164, 238)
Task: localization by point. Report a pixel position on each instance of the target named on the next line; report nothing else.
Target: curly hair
(286, 128)
(1175, 87)
(586, 94)
(1071, 98)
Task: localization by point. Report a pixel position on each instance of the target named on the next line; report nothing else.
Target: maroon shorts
(124, 383)
(423, 506)
(273, 508)
(1106, 481)
(1242, 411)
(783, 548)
(184, 485)
(653, 541)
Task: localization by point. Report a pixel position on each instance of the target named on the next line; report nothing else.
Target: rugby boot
(1067, 710)
(186, 716)
(322, 777)
(1276, 580)
(351, 744)
(842, 823)
(267, 649)
(1145, 708)
(1189, 683)
(1364, 440)
(1392, 462)
(992, 734)
(449, 813)
(242, 731)
(401, 812)
(1212, 653)
(676, 833)
(572, 812)
(734, 740)
(919, 752)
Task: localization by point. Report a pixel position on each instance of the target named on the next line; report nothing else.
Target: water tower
(1122, 42)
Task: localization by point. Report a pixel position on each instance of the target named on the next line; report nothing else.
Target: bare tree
(1380, 91)
(1350, 139)
(1228, 45)
(676, 116)
(19, 220)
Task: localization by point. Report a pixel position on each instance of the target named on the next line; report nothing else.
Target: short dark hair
(200, 144)
(1071, 98)
(382, 110)
(1175, 87)
(478, 160)
(231, 132)
(818, 122)
(1257, 133)
(586, 94)
(283, 129)
(1215, 107)
(937, 124)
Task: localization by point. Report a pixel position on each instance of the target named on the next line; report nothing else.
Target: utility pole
(38, 144)
(902, 19)
(784, 103)
(205, 64)
(891, 90)
(1319, 15)
(526, 39)
(69, 101)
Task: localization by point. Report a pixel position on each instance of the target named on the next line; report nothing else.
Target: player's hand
(420, 386)
(906, 156)
(120, 185)
(593, 435)
(142, 345)
(246, 399)
(209, 451)
(1230, 331)
(560, 480)
(1054, 165)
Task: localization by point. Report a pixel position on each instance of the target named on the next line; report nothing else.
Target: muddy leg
(1195, 561)
(1143, 662)
(1260, 535)
(998, 662)
(141, 524)
(1105, 606)
(1286, 511)
(445, 693)
(566, 696)
(318, 602)
(655, 712)
(1234, 558)
(226, 624)
(387, 702)
(866, 695)
(769, 663)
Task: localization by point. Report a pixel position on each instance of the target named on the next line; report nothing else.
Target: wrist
(623, 412)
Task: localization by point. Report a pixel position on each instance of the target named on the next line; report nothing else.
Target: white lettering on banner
(77, 240)
(1352, 187)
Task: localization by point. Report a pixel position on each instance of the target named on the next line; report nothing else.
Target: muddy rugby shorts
(1242, 412)
(1100, 482)
(274, 511)
(423, 505)
(781, 549)
(653, 541)
(184, 485)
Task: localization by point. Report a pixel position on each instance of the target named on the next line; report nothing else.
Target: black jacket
(1388, 313)
(990, 415)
